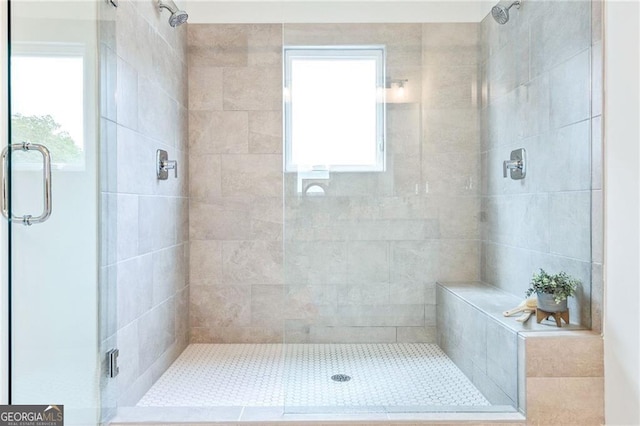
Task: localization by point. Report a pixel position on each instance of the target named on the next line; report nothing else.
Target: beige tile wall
(359, 264)
(543, 101)
(235, 121)
(145, 221)
(564, 378)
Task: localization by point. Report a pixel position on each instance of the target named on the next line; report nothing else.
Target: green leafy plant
(47, 131)
(560, 285)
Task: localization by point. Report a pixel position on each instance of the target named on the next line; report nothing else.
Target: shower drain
(340, 378)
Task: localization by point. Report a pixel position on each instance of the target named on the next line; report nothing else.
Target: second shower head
(500, 12)
(178, 17)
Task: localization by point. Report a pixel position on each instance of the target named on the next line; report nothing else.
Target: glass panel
(4, 225)
(108, 213)
(54, 264)
(399, 279)
(360, 255)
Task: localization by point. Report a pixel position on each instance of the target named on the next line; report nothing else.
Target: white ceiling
(352, 11)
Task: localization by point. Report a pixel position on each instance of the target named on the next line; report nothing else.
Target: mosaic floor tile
(299, 375)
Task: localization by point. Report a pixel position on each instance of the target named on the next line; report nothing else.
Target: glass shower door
(49, 197)
(357, 236)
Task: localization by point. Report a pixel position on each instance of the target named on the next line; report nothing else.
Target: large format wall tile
(205, 177)
(127, 109)
(551, 218)
(570, 90)
(220, 306)
(570, 224)
(265, 132)
(219, 132)
(205, 88)
(205, 259)
(255, 174)
(252, 262)
(156, 333)
(585, 350)
(169, 273)
(156, 223)
(413, 263)
(146, 67)
(315, 262)
(252, 89)
(156, 112)
(583, 406)
(361, 262)
(218, 45)
(554, 38)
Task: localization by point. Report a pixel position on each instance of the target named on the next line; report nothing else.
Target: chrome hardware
(313, 175)
(511, 165)
(517, 165)
(112, 359)
(315, 189)
(27, 219)
(164, 165)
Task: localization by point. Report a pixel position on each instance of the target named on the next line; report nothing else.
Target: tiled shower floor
(298, 376)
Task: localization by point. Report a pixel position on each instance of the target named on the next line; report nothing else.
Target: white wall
(350, 11)
(622, 222)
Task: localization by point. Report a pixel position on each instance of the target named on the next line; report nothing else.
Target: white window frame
(376, 52)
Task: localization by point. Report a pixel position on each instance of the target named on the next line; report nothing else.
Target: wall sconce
(398, 83)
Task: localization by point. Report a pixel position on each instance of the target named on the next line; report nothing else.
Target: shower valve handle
(516, 165)
(169, 165)
(509, 165)
(163, 165)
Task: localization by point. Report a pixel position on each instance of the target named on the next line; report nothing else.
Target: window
(334, 108)
(48, 83)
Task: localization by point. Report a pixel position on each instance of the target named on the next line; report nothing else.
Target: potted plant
(552, 290)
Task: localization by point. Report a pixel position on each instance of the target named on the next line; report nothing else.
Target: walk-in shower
(396, 273)
(317, 254)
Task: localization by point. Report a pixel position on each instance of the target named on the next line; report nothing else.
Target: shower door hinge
(112, 359)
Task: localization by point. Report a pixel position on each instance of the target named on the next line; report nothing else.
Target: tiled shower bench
(521, 365)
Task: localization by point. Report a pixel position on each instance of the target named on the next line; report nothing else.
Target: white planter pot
(547, 303)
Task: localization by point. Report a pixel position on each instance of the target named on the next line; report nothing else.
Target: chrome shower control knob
(163, 165)
(170, 165)
(516, 166)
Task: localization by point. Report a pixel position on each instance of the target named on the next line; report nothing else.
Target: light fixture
(401, 87)
(398, 83)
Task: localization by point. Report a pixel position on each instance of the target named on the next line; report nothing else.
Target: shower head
(500, 12)
(178, 17)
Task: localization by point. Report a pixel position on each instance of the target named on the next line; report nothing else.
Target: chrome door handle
(27, 219)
